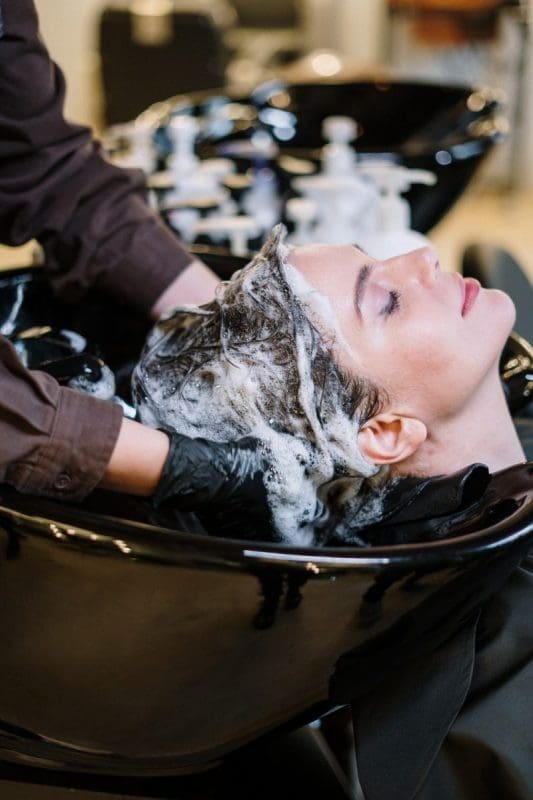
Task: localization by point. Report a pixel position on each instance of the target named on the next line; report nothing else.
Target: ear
(389, 438)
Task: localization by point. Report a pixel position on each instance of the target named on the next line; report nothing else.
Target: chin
(502, 313)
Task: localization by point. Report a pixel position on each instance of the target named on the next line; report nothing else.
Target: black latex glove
(223, 483)
(423, 509)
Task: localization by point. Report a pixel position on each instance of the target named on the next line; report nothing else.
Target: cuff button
(63, 481)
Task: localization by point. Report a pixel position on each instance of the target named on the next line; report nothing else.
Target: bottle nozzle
(395, 177)
(339, 130)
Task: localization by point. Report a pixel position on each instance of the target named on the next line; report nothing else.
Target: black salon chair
(147, 58)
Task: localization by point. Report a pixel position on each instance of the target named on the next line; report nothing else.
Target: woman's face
(427, 337)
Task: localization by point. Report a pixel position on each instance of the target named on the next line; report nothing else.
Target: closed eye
(392, 305)
(361, 285)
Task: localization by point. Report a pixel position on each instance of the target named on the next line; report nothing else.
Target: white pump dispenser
(338, 156)
(183, 131)
(238, 229)
(342, 195)
(302, 211)
(192, 178)
(392, 234)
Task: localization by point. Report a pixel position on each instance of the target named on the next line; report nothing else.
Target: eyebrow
(360, 285)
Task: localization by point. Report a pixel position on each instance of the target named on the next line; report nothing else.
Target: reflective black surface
(516, 369)
(132, 649)
(445, 129)
(294, 764)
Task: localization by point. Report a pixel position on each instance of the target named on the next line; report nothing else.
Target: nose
(421, 265)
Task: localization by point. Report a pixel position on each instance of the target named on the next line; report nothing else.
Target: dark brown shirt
(96, 228)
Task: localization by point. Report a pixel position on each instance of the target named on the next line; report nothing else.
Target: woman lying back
(347, 372)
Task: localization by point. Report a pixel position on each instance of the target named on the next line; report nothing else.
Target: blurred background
(120, 57)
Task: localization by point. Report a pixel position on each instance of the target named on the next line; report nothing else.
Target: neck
(482, 432)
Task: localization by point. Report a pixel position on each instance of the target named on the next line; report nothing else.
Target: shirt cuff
(74, 458)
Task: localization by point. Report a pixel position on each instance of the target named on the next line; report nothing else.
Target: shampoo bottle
(392, 234)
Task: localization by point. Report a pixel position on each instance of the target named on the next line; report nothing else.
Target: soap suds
(257, 361)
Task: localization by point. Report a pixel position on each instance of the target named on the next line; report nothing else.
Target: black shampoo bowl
(129, 648)
(132, 649)
(446, 129)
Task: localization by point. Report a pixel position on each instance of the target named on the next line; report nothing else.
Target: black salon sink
(446, 129)
(133, 648)
(130, 648)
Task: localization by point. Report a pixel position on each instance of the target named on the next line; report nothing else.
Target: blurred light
(152, 8)
(281, 100)
(443, 158)
(244, 71)
(56, 531)
(297, 166)
(276, 117)
(486, 128)
(219, 127)
(284, 133)
(148, 119)
(476, 102)
(326, 64)
(502, 125)
(151, 22)
(237, 111)
(262, 141)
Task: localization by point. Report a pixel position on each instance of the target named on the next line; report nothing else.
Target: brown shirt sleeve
(96, 229)
(49, 442)
(91, 217)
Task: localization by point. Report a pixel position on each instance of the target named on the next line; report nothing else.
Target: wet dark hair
(257, 360)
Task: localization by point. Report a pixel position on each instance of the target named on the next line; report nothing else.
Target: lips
(471, 289)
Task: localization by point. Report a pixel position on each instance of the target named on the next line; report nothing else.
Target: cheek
(426, 363)
(438, 364)
(432, 357)
(425, 346)
(400, 358)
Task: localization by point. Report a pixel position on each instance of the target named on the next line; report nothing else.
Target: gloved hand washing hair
(254, 379)
(221, 481)
(254, 363)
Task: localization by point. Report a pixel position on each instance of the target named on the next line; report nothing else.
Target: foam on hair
(258, 361)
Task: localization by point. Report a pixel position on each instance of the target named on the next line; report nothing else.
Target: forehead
(324, 287)
(315, 260)
(332, 269)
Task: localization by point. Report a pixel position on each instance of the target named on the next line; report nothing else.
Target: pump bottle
(392, 234)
